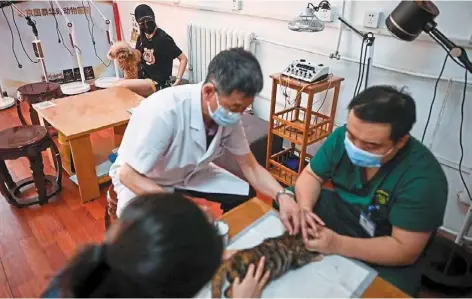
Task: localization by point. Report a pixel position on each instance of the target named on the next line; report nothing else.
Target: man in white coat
(175, 134)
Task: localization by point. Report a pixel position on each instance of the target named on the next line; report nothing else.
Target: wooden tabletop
(85, 113)
(245, 214)
(307, 87)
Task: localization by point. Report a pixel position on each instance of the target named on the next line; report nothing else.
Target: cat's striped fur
(281, 253)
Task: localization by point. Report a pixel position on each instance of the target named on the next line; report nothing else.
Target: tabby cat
(281, 253)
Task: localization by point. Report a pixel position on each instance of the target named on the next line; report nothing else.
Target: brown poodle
(127, 57)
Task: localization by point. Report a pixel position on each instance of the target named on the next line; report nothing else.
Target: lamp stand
(106, 82)
(37, 48)
(74, 87)
(5, 102)
(370, 39)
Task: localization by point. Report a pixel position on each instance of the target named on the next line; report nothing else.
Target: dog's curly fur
(127, 57)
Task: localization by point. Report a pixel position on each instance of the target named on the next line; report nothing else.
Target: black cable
(19, 36)
(91, 33)
(366, 48)
(460, 134)
(12, 39)
(434, 97)
(60, 39)
(360, 62)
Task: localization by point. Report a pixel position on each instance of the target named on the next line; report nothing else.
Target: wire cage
(290, 124)
(285, 165)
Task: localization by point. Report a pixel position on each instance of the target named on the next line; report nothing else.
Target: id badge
(367, 224)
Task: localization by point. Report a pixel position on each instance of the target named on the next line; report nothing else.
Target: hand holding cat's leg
(290, 214)
(310, 222)
(252, 284)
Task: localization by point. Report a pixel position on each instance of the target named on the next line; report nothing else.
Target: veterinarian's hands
(326, 242)
(289, 214)
(310, 222)
(253, 284)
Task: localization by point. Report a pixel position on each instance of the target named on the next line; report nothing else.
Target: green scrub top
(409, 192)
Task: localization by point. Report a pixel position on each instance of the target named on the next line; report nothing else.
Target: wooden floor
(36, 242)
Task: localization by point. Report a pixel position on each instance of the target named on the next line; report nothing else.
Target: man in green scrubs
(389, 193)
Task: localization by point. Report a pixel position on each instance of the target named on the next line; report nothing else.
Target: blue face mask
(362, 158)
(222, 116)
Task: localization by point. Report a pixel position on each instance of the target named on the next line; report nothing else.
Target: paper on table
(334, 276)
(44, 105)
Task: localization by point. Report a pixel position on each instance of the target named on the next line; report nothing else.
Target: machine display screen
(305, 67)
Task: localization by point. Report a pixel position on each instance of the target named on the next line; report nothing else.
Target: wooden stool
(29, 142)
(36, 93)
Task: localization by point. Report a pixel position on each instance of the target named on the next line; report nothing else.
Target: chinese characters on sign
(44, 12)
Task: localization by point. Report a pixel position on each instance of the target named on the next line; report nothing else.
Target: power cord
(460, 134)
(12, 39)
(91, 33)
(19, 36)
(362, 61)
(434, 96)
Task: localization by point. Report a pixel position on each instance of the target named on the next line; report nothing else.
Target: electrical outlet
(371, 19)
(463, 197)
(325, 15)
(237, 4)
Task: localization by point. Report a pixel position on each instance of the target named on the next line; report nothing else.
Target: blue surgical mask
(222, 116)
(361, 157)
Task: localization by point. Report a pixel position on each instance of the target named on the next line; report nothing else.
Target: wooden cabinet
(300, 125)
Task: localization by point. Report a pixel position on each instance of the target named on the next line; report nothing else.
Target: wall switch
(237, 4)
(325, 15)
(371, 19)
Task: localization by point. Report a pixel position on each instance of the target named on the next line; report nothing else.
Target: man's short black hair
(386, 104)
(235, 70)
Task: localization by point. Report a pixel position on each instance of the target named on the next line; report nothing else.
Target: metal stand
(370, 39)
(75, 87)
(107, 81)
(37, 48)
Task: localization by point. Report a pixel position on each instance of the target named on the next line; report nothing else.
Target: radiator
(205, 42)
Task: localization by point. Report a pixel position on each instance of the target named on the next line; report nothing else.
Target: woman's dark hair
(386, 104)
(165, 247)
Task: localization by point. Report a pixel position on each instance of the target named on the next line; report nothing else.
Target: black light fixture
(410, 18)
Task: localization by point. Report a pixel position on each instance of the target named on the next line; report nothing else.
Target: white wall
(56, 56)
(268, 20)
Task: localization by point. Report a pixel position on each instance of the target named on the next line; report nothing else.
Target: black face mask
(148, 27)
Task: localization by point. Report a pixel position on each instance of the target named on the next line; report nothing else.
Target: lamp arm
(110, 36)
(454, 50)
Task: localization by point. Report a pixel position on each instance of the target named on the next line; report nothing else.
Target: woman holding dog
(158, 51)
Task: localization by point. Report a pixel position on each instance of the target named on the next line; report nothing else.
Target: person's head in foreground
(378, 125)
(162, 246)
(234, 78)
(145, 18)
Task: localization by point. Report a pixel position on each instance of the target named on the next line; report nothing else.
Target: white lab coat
(166, 141)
